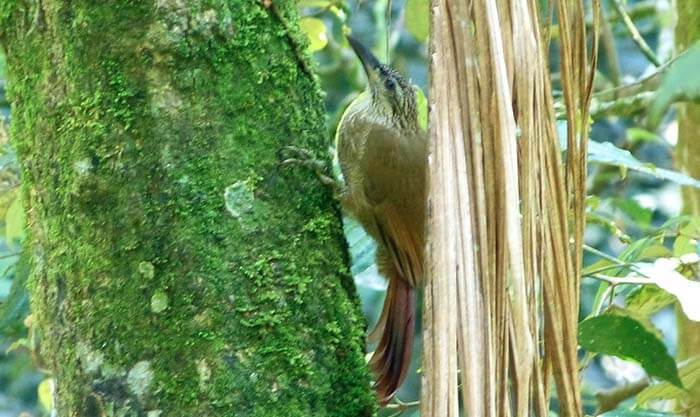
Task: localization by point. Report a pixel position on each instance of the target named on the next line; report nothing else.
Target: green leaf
(417, 19)
(691, 228)
(689, 225)
(6, 200)
(684, 245)
(680, 83)
(316, 32)
(362, 250)
(626, 338)
(14, 222)
(654, 252)
(639, 135)
(15, 308)
(644, 320)
(689, 372)
(318, 4)
(648, 299)
(607, 153)
(644, 248)
(640, 215)
(362, 247)
(592, 202)
(635, 413)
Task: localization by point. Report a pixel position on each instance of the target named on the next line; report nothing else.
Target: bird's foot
(291, 155)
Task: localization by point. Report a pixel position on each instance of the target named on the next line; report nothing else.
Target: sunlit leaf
(689, 372)
(654, 252)
(644, 248)
(45, 395)
(417, 19)
(691, 228)
(648, 299)
(14, 222)
(689, 225)
(684, 245)
(593, 202)
(626, 338)
(316, 32)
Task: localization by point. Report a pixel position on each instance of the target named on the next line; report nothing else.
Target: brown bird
(382, 152)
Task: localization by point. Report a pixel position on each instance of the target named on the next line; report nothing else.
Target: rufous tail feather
(392, 357)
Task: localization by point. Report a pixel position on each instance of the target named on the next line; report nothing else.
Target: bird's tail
(392, 357)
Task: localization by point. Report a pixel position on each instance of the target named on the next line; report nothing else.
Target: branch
(621, 107)
(604, 255)
(630, 99)
(401, 406)
(612, 259)
(607, 267)
(610, 399)
(634, 33)
(633, 280)
(646, 84)
(608, 40)
(634, 11)
(10, 255)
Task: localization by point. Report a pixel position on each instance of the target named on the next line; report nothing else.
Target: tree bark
(688, 160)
(176, 269)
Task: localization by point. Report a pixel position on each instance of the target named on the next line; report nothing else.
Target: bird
(382, 151)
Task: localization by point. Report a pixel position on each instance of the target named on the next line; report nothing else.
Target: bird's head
(392, 95)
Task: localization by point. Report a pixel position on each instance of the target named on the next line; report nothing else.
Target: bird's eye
(389, 84)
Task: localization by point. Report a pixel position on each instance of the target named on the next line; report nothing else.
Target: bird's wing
(383, 164)
(403, 242)
(394, 185)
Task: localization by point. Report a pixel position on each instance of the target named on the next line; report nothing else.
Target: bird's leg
(291, 155)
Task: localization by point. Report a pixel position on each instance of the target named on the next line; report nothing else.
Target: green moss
(131, 121)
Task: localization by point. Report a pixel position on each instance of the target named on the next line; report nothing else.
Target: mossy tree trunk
(176, 270)
(688, 159)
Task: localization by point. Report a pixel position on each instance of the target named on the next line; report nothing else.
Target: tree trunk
(688, 160)
(176, 269)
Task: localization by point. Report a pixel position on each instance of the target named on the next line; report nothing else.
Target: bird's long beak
(369, 61)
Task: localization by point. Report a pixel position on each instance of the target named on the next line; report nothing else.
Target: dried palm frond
(503, 208)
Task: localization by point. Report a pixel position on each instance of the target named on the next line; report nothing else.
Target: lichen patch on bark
(140, 378)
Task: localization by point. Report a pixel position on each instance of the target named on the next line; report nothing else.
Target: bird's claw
(291, 155)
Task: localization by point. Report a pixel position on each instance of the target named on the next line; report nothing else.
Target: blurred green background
(627, 205)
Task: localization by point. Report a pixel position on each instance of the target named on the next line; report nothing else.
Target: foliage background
(626, 206)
